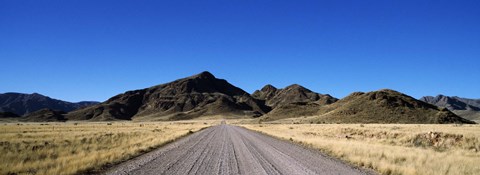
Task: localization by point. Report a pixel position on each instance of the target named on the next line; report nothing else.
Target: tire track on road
(226, 149)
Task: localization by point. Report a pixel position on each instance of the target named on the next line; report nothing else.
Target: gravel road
(226, 149)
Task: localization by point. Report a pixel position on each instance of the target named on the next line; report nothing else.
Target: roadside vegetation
(409, 149)
(70, 148)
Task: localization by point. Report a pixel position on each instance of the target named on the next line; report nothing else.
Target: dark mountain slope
(187, 98)
(8, 115)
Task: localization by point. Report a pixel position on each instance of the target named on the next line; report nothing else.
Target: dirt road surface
(226, 149)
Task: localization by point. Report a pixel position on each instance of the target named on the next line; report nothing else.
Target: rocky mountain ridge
(195, 96)
(205, 96)
(464, 107)
(22, 104)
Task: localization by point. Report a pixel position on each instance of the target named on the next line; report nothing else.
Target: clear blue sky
(91, 50)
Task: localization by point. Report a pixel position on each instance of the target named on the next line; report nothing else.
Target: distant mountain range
(205, 96)
(464, 107)
(21, 104)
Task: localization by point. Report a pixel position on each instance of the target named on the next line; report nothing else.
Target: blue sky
(91, 50)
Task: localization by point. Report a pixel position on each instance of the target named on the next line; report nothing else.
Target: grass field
(390, 148)
(69, 148)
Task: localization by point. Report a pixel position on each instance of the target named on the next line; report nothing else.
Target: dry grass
(69, 148)
(390, 148)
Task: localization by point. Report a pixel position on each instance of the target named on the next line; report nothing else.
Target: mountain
(291, 101)
(205, 96)
(295, 93)
(22, 104)
(464, 107)
(266, 93)
(384, 106)
(195, 96)
(44, 115)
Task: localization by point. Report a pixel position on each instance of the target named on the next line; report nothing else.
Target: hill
(195, 96)
(384, 106)
(22, 104)
(464, 107)
(291, 101)
(44, 115)
(295, 93)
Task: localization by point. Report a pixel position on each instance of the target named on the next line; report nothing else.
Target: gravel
(226, 149)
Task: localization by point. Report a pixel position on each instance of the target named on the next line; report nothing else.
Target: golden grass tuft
(69, 148)
(408, 149)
